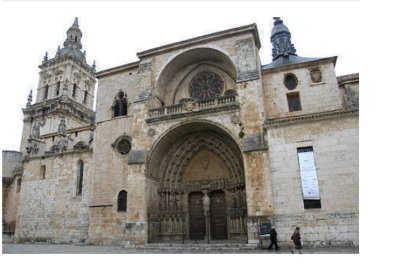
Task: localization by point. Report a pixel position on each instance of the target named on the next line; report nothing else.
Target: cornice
(348, 78)
(54, 155)
(61, 104)
(117, 69)
(309, 118)
(202, 39)
(305, 64)
(60, 59)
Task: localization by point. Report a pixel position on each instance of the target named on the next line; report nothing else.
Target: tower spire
(75, 23)
(29, 99)
(281, 40)
(74, 35)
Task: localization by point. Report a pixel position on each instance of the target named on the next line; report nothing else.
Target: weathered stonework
(238, 147)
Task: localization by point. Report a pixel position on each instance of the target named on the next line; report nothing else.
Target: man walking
(297, 242)
(273, 239)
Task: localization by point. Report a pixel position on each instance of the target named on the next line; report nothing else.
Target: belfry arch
(189, 162)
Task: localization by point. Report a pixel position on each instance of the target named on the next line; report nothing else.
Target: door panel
(218, 215)
(197, 221)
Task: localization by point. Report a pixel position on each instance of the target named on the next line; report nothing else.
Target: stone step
(191, 247)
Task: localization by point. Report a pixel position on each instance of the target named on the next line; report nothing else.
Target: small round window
(291, 81)
(123, 146)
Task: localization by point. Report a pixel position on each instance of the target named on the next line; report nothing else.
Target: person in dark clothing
(296, 241)
(273, 239)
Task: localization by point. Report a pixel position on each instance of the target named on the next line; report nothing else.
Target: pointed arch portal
(188, 163)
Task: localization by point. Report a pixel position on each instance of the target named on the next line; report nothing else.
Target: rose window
(124, 146)
(206, 85)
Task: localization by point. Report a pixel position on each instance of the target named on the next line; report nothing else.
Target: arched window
(85, 97)
(122, 201)
(74, 90)
(46, 92)
(79, 178)
(57, 88)
(120, 105)
(206, 85)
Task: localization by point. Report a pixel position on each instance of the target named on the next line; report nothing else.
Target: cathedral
(192, 142)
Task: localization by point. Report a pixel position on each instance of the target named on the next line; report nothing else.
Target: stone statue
(62, 127)
(90, 138)
(206, 205)
(32, 148)
(35, 131)
(233, 200)
(178, 202)
(61, 146)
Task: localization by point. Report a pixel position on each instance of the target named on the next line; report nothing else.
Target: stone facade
(11, 184)
(193, 119)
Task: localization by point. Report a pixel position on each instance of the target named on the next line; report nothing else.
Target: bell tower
(65, 94)
(67, 73)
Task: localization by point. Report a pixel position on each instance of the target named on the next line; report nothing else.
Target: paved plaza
(45, 248)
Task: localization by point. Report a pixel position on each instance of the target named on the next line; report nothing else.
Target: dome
(279, 28)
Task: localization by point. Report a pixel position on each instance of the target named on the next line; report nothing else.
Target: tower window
(57, 88)
(46, 92)
(19, 184)
(74, 90)
(79, 178)
(122, 201)
(43, 171)
(290, 81)
(312, 204)
(85, 97)
(120, 105)
(293, 102)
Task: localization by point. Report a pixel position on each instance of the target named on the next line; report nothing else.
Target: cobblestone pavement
(44, 248)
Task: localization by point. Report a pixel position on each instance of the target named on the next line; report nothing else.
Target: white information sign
(310, 188)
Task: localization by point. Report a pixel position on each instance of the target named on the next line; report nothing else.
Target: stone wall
(10, 160)
(51, 210)
(314, 97)
(11, 179)
(336, 149)
(11, 204)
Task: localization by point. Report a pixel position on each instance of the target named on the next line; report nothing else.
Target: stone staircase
(193, 248)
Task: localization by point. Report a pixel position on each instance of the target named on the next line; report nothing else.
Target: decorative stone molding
(235, 119)
(151, 132)
(190, 105)
(315, 74)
